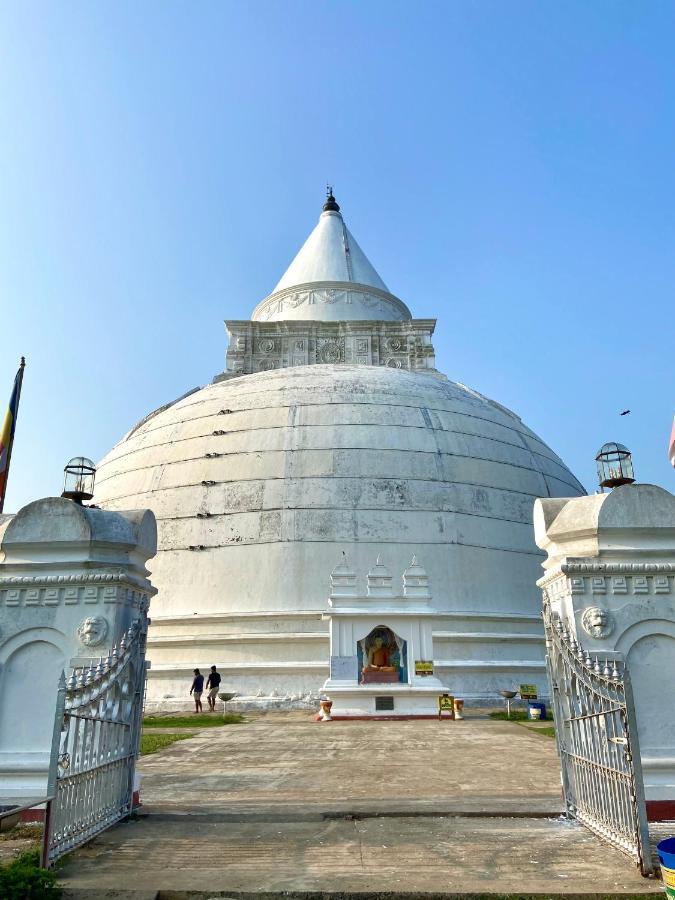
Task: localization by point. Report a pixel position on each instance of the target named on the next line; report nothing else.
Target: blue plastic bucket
(666, 851)
(535, 705)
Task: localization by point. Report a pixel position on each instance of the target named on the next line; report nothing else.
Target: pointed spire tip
(331, 204)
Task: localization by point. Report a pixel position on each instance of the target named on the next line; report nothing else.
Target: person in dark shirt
(196, 689)
(212, 683)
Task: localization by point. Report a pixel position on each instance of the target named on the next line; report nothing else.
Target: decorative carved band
(66, 591)
(615, 568)
(119, 576)
(643, 578)
(348, 293)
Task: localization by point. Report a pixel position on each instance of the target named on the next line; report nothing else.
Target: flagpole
(22, 366)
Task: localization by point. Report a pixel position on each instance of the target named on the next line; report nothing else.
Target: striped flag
(7, 432)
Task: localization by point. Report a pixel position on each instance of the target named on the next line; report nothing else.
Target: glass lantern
(78, 479)
(615, 465)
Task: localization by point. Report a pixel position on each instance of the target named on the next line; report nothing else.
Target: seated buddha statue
(379, 657)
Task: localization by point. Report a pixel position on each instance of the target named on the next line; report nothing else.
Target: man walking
(196, 689)
(212, 685)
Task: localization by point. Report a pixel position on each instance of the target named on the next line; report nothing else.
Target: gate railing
(96, 741)
(596, 733)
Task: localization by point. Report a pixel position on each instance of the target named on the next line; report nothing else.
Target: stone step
(190, 857)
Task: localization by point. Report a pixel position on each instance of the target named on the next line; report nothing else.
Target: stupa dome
(260, 482)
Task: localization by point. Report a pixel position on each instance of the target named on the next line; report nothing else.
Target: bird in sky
(625, 412)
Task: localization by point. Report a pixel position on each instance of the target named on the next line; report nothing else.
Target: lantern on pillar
(615, 465)
(78, 479)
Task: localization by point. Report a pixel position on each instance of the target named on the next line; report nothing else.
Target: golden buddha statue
(378, 657)
(379, 663)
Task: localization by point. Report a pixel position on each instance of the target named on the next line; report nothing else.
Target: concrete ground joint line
(356, 829)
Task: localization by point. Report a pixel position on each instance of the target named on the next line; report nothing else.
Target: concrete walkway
(284, 804)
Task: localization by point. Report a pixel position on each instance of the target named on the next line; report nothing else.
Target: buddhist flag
(7, 432)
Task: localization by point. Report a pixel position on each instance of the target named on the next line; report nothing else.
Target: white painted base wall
(476, 657)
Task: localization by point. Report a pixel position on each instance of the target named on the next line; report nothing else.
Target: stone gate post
(609, 576)
(72, 580)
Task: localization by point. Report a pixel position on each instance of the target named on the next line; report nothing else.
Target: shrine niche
(382, 657)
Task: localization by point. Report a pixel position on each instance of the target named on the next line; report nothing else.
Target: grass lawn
(518, 715)
(547, 731)
(151, 743)
(23, 832)
(193, 721)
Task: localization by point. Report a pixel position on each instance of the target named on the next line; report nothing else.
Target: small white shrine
(381, 645)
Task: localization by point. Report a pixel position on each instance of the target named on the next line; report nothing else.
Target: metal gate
(96, 741)
(597, 738)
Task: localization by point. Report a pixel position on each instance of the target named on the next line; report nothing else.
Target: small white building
(382, 645)
(609, 576)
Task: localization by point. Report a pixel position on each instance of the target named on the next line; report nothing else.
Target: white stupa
(331, 430)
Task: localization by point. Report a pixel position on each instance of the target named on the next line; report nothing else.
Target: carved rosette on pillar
(381, 645)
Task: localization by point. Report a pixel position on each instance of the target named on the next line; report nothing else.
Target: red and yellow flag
(7, 432)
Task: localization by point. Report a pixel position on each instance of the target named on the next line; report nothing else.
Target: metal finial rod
(331, 204)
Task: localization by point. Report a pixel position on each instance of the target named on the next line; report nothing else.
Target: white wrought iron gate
(96, 741)
(596, 733)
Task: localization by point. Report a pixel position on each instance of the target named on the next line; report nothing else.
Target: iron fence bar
(594, 715)
(95, 745)
(52, 776)
(639, 802)
(597, 742)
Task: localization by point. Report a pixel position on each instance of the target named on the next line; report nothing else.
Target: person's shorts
(213, 693)
(196, 694)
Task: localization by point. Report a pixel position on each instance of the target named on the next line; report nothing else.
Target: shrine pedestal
(402, 701)
(380, 678)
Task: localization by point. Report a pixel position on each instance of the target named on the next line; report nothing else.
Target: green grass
(23, 878)
(23, 832)
(548, 730)
(199, 721)
(518, 715)
(151, 743)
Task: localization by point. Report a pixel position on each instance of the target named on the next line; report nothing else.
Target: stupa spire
(331, 204)
(331, 279)
(330, 254)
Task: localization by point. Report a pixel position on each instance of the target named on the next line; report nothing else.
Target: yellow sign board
(424, 667)
(528, 692)
(446, 703)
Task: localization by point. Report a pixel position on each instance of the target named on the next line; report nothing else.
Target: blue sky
(507, 167)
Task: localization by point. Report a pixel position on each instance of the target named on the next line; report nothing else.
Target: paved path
(293, 765)
(260, 808)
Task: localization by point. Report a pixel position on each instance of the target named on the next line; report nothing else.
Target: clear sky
(507, 167)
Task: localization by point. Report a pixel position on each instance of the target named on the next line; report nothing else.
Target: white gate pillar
(72, 581)
(609, 577)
